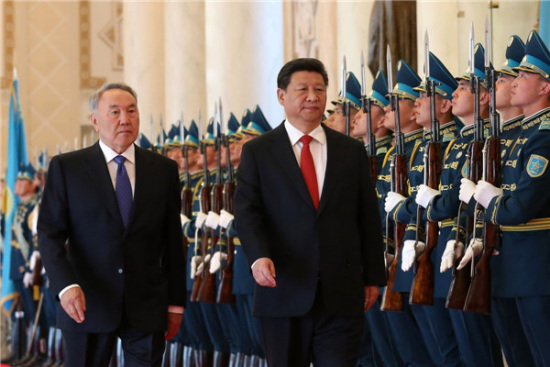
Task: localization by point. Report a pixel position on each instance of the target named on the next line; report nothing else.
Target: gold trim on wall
(87, 81)
(9, 43)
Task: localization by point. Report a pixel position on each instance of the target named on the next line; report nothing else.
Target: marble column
(353, 37)
(185, 85)
(244, 53)
(144, 58)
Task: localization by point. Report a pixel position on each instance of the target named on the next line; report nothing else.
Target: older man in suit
(307, 216)
(110, 236)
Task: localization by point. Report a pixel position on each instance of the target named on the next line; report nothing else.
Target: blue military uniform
(377, 344)
(411, 343)
(23, 244)
(521, 271)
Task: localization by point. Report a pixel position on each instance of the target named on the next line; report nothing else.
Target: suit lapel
(287, 159)
(334, 164)
(101, 180)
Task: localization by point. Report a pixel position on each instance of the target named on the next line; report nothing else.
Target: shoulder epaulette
(545, 124)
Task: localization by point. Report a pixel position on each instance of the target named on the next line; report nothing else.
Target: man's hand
(452, 252)
(467, 190)
(74, 303)
(264, 272)
(174, 321)
(371, 295)
(485, 192)
(425, 194)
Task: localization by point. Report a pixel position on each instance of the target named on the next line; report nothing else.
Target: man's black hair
(302, 64)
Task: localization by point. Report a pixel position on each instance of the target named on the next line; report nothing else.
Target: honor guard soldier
(474, 334)
(23, 242)
(337, 120)
(437, 316)
(200, 343)
(520, 287)
(511, 116)
(376, 325)
(173, 150)
(412, 344)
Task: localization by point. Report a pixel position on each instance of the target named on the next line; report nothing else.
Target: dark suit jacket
(140, 270)
(341, 242)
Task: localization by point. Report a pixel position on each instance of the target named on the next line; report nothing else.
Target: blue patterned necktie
(123, 191)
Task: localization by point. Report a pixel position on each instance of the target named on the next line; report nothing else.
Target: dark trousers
(319, 337)
(141, 349)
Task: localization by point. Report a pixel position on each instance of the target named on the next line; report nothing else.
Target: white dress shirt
(317, 147)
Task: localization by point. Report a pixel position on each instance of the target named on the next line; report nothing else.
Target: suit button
(120, 271)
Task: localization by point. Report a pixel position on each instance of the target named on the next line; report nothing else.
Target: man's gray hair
(94, 99)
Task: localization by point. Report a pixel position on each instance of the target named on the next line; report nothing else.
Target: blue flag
(17, 155)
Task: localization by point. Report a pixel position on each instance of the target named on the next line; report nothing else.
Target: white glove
(485, 192)
(225, 218)
(212, 220)
(216, 262)
(27, 280)
(392, 200)
(467, 189)
(409, 253)
(425, 194)
(476, 245)
(195, 261)
(34, 258)
(184, 219)
(201, 266)
(450, 255)
(201, 218)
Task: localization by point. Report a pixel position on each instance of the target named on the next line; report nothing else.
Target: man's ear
(484, 97)
(93, 119)
(281, 94)
(545, 89)
(445, 106)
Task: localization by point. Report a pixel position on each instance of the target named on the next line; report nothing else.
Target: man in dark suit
(109, 232)
(312, 238)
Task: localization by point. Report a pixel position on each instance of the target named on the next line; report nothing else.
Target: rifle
(186, 194)
(478, 298)
(422, 289)
(391, 300)
(371, 140)
(205, 208)
(207, 291)
(345, 102)
(462, 278)
(225, 289)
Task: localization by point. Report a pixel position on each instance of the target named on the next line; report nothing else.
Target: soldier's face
(24, 188)
(116, 119)
(337, 120)
(503, 90)
(527, 89)
(235, 149)
(422, 110)
(463, 100)
(304, 99)
(359, 126)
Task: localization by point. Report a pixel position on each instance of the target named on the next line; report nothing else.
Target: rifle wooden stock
(373, 168)
(225, 289)
(37, 278)
(478, 298)
(422, 289)
(205, 206)
(207, 291)
(391, 300)
(462, 278)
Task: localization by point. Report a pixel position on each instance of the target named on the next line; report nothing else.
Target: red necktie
(308, 170)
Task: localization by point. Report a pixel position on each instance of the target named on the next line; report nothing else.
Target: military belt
(537, 224)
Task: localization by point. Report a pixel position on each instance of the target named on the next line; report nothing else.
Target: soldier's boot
(50, 350)
(59, 348)
(199, 357)
(187, 356)
(255, 361)
(176, 355)
(247, 360)
(23, 356)
(35, 356)
(166, 355)
(239, 360)
(221, 359)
